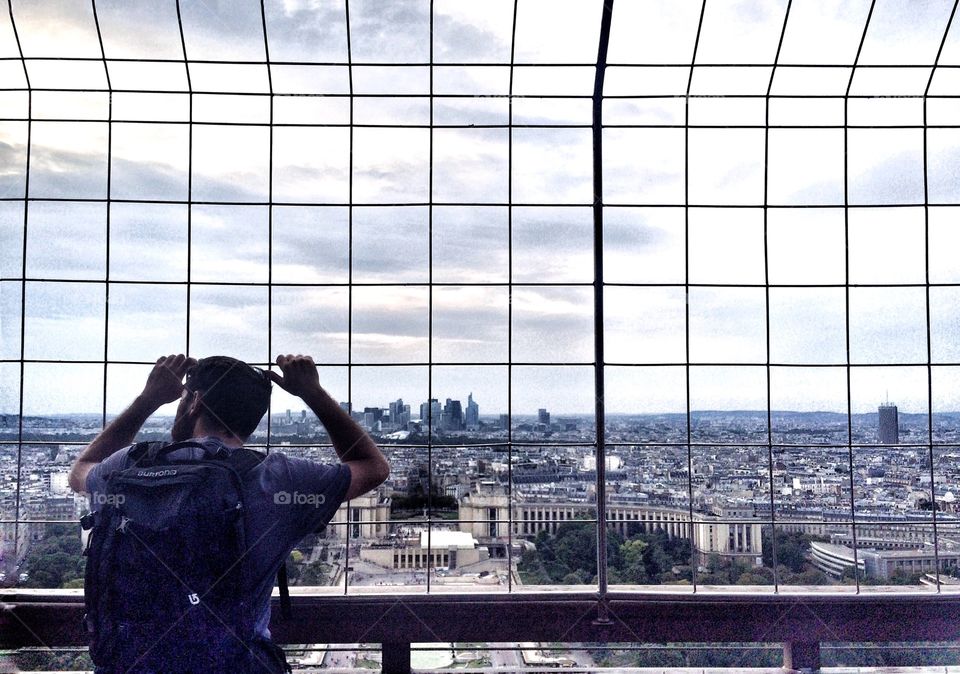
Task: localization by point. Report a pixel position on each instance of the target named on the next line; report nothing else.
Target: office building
(473, 414)
(889, 426)
(430, 414)
(452, 419)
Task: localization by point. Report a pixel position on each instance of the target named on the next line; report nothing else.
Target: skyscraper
(430, 413)
(889, 426)
(452, 416)
(399, 413)
(473, 414)
(543, 416)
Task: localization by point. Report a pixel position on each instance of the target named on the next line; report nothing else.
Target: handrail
(799, 619)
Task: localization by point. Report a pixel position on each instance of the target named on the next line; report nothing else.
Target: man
(283, 498)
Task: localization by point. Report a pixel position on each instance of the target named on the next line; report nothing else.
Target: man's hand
(165, 381)
(300, 376)
(164, 385)
(355, 449)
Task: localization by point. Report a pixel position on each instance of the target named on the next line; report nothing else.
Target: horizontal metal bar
(38, 619)
(483, 284)
(482, 443)
(465, 126)
(476, 204)
(783, 520)
(482, 64)
(543, 363)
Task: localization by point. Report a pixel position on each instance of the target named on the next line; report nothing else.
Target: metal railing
(801, 620)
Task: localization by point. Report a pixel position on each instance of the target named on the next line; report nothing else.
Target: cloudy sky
(695, 265)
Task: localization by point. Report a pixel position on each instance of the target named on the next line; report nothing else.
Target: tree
(660, 556)
(792, 548)
(641, 559)
(633, 569)
(56, 559)
(315, 573)
(531, 569)
(809, 577)
(572, 549)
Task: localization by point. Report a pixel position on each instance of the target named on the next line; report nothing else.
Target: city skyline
(297, 407)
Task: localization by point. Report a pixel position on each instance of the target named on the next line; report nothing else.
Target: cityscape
(481, 502)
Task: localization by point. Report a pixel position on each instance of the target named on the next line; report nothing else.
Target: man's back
(285, 498)
(221, 401)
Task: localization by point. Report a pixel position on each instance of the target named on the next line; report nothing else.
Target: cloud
(51, 29)
(139, 29)
(67, 166)
(13, 159)
(306, 31)
(11, 307)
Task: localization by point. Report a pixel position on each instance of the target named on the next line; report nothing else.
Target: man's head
(226, 395)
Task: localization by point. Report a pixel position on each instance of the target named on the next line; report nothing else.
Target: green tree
(642, 558)
(56, 559)
(531, 568)
(315, 573)
(792, 548)
(633, 569)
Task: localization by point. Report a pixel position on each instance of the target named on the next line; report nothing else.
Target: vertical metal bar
(513, 48)
(395, 657)
(346, 554)
(686, 291)
(598, 356)
(266, 53)
(846, 239)
(106, 284)
(801, 655)
(429, 569)
(186, 67)
(926, 270)
(23, 282)
(766, 285)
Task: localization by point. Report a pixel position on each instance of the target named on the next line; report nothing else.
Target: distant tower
(543, 416)
(452, 419)
(473, 414)
(889, 426)
(430, 414)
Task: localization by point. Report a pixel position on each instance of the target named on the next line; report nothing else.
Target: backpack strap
(286, 610)
(141, 452)
(150, 453)
(243, 460)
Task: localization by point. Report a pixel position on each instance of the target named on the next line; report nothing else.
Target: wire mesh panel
(694, 327)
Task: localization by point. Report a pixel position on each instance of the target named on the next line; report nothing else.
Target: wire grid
(599, 361)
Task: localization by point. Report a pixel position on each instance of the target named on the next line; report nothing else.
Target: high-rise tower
(889, 425)
(473, 414)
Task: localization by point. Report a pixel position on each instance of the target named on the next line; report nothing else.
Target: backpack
(165, 567)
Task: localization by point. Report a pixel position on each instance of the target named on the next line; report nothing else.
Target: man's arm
(368, 466)
(164, 385)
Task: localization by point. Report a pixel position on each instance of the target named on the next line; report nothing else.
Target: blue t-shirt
(285, 499)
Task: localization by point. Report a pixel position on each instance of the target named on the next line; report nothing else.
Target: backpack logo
(194, 599)
(156, 473)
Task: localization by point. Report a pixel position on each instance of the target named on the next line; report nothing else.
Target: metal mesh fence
(411, 194)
